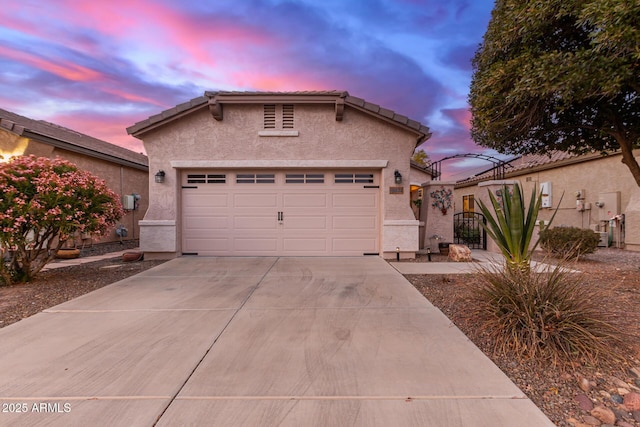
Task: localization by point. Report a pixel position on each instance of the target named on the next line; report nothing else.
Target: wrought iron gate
(468, 231)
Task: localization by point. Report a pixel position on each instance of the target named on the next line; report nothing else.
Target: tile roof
(528, 163)
(299, 96)
(71, 140)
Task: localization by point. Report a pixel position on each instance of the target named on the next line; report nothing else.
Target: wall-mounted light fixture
(398, 177)
(160, 176)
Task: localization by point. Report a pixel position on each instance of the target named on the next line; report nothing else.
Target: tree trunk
(626, 148)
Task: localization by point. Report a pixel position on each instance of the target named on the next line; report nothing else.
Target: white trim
(401, 222)
(156, 222)
(278, 133)
(277, 164)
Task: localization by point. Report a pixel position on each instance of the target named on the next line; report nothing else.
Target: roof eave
(82, 150)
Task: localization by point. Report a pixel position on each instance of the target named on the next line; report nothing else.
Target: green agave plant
(513, 225)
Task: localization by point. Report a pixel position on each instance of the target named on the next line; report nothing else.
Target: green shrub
(569, 242)
(547, 316)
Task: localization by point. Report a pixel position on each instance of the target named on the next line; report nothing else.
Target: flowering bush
(43, 203)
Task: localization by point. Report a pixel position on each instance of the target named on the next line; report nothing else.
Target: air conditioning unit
(604, 239)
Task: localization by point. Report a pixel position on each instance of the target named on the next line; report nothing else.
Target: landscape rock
(584, 384)
(632, 401)
(624, 424)
(636, 415)
(591, 421)
(584, 402)
(604, 414)
(616, 398)
(459, 253)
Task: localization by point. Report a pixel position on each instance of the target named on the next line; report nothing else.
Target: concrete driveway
(253, 342)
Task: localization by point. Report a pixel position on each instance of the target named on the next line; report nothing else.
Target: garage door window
(354, 178)
(304, 178)
(201, 178)
(253, 178)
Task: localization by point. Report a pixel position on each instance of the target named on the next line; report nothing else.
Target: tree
(420, 157)
(43, 203)
(559, 75)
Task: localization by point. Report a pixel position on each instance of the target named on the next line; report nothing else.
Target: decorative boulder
(459, 253)
(132, 256)
(68, 253)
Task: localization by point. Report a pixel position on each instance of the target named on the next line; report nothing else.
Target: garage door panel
(353, 246)
(305, 223)
(255, 200)
(302, 245)
(194, 198)
(266, 222)
(354, 223)
(299, 200)
(253, 245)
(355, 200)
(206, 223)
(214, 246)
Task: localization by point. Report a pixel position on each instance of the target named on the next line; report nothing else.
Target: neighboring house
(279, 173)
(592, 191)
(125, 172)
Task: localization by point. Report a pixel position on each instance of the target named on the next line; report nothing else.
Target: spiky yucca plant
(513, 225)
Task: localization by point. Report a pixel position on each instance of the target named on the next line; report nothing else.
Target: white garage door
(280, 213)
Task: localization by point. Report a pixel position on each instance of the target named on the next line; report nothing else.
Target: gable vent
(287, 116)
(269, 116)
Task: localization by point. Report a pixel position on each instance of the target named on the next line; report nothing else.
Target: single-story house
(590, 191)
(125, 171)
(319, 173)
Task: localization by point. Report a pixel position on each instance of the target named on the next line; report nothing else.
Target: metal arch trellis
(499, 166)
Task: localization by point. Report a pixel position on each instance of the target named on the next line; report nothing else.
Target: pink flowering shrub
(43, 202)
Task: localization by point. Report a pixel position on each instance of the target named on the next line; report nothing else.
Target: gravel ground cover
(603, 395)
(56, 286)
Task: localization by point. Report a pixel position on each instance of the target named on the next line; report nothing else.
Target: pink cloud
(109, 128)
(461, 116)
(133, 97)
(60, 67)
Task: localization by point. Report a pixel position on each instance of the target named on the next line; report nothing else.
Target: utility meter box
(128, 202)
(608, 205)
(546, 191)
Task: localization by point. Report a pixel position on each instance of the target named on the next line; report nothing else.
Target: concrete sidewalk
(60, 263)
(253, 342)
(481, 259)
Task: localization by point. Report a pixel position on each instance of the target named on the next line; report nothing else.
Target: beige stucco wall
(358, 137)
(120, 179)
(602, 175)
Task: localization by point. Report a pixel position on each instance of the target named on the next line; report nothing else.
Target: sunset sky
(100, 66)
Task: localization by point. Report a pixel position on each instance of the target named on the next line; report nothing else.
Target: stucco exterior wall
(359, 136)
(592, 178)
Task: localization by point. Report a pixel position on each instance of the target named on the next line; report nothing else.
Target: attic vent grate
(269, 116)
(287, 116)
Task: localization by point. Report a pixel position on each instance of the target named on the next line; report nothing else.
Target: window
(280, 116)
(201, 178)
(468, 205)
(252, 178)
(304, 178)
(351, 178)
